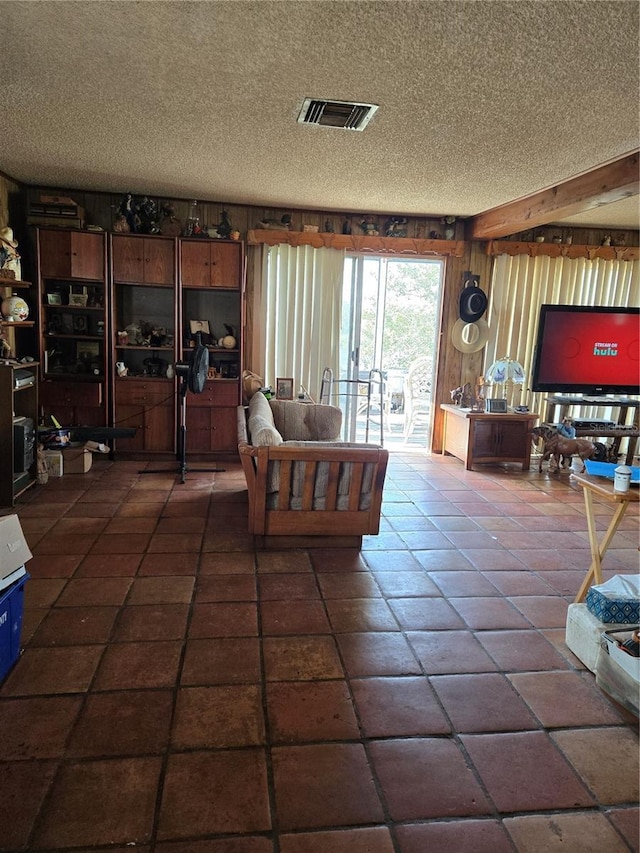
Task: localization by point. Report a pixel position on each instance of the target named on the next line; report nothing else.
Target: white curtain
(297, 314)
(521, 284)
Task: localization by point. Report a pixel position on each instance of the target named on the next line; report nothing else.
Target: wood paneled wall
(453, 367)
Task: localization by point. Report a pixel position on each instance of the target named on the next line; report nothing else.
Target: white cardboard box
(14, 551)
(584, 634)
(55, 465)
(627, 662)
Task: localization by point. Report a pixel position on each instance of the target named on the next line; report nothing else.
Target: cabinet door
(513, 439)
(159, 428)
(87, 256)
(484, 440)
(198, 429)
(226, 265)
(130, 416)
(55, 253)
(72, 254)
(158, 261)
(128, 262)
(224, 429)
(196, 264)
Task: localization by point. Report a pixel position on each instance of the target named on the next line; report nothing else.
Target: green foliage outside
(410, 316)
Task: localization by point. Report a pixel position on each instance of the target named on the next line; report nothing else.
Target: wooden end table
(601, 487)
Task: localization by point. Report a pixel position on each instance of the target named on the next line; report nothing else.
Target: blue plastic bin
(11, 609)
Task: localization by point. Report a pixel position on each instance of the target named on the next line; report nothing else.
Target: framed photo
(284, 389)
(201, 326)
(87, 349)
(78, 299)
(80, 325)
(54, 299)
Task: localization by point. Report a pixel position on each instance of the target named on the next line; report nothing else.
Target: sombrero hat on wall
(473, 300)
(469, 337)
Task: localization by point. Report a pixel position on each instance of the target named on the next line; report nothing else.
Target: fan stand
(191, 377)
(182, 437)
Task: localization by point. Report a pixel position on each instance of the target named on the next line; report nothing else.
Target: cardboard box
(611, 643)
(53, 458)
(584, 634)
(14, 551)
(11, 610)
(77, 460)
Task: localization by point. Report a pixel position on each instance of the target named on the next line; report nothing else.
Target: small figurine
(369, 226)
(328, 226)
(283, 224)
(606, 240)
(169, 225)
(346, 226)
(9, 257)
(395, 226)
(449, 227)
(224, 228)
(120, 225)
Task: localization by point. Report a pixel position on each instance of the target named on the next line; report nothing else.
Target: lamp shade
(505, 370)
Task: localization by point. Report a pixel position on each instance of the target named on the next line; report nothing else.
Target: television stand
(558, 407)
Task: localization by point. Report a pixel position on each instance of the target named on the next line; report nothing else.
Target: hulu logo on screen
(605, 349)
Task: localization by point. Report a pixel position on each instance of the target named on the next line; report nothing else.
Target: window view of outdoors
(395, 309)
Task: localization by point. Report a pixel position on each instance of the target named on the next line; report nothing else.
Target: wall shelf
(358, 243)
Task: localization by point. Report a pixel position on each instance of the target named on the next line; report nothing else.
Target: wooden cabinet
(144, 316)
(73, 310)
(211, 290)
(480, 437)
(71, 254)
(149, 407)
(18, 424)
(211, 418)
(143, 260)
(73, 403)
(211, 263)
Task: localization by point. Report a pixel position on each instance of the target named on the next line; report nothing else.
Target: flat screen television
(584, 349)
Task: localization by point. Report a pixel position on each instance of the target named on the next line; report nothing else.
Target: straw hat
(6, 236)
(469, 337)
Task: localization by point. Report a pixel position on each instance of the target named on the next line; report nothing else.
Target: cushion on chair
(306, 421)
(262, 430)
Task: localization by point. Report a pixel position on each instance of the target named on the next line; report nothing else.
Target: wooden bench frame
(351, 523)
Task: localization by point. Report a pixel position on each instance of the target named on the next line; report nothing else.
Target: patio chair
(417, 393)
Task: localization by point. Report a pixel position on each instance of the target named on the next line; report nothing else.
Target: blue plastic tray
(607, 469)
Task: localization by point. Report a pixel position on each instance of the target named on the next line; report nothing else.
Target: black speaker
(24, 444)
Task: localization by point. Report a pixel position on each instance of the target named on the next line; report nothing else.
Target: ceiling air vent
(343, 114)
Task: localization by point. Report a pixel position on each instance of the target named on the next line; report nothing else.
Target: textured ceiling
(480, 102)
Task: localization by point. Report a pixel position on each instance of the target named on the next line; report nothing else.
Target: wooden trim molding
(358, 243)
(612, 182)
(558, 250)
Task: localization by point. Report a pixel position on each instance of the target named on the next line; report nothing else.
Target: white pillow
(262, 430)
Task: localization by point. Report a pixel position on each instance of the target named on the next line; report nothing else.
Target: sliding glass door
(390, 318)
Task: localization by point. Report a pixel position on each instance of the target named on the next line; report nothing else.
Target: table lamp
(504, 372)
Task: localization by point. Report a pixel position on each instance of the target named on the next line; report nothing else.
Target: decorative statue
(224, 228)
(396, 226)
(9, 257)
(282, 224)
(369, 226)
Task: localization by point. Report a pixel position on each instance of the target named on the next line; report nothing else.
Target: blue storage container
(11, 609)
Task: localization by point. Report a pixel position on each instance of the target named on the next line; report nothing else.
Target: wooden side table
(602, 487)
(480, 437)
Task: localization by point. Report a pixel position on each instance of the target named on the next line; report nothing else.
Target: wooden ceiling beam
(613, 182)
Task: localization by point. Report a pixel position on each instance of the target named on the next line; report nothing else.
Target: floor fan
(192, 376)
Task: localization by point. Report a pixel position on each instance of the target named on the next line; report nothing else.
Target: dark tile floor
(181, 692)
